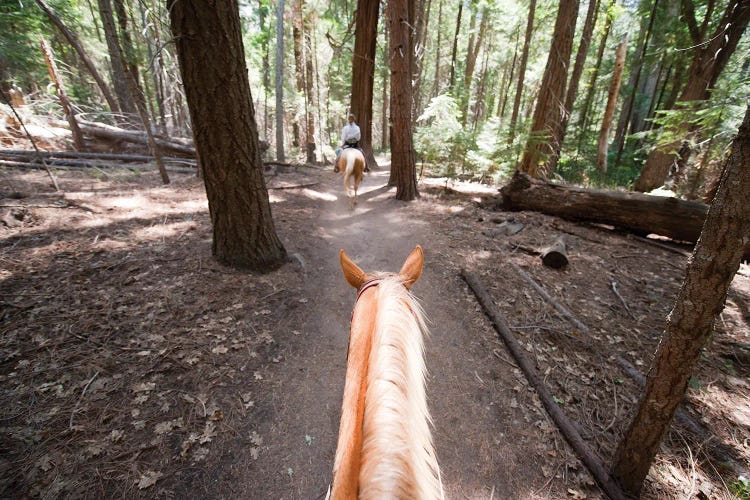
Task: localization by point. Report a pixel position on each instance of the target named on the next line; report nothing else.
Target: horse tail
(398, 456)
(349, 174)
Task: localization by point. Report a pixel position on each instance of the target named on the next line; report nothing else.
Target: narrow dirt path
(484, 445)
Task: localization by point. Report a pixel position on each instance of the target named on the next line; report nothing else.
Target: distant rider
(350, 136)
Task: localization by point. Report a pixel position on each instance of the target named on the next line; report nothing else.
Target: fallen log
(23, 155)
(641, 213)
(104, 131)
(589, 458)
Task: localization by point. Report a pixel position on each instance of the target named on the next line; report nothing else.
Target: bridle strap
(367, 284)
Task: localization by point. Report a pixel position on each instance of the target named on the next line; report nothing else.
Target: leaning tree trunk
(54, 75)
(73, 41)
(701, 299)
(403, 163)
(708, 63)
(218, 93)
(128, 51)
(363, 72)
(575, 77)
(547, 115)
(609, 110)
(116, 59)
(522, 71)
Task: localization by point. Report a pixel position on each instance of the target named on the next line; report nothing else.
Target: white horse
(352, 164)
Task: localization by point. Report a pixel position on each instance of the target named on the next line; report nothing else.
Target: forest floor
(134, 365)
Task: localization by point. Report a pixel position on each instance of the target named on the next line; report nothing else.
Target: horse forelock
(398, 457)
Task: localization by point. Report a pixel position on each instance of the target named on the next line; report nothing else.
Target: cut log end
(555, 255)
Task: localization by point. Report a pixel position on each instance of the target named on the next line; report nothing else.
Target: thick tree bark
(583, 117)
(116, 58)
(73, 41)
(548, 112)
(641, 213)
(279, 80)
(689, 326)
(214, 75)
(609, 110)
(75, 130)
(575, 77)
(708, 63)
(403, 163)
(522, 71)
(363, 72)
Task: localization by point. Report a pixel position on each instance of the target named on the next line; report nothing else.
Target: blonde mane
(398, 457)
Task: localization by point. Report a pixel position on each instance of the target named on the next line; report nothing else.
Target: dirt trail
(479, 445)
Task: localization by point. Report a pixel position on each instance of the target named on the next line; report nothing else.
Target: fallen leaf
(149, 479)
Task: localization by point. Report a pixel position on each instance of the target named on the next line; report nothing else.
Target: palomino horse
(385, 448)
(352, 164)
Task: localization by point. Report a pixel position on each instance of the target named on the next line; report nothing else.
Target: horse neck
(396, 452)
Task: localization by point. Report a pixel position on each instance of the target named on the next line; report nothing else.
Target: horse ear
(353, 274)
(412, 268)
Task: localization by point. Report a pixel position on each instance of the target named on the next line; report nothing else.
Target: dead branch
(33, 142)
(559, 307)
(625, 304)
(592, 461)
(296, 186)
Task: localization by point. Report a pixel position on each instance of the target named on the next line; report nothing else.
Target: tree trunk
(420, 37)
(522, 71)
(575, 77)
(547, 115)
(309, 93)
(386, 138)
(279, 80)
(62, 96)
(472, 52)
(436, 84)
(128, 51)
(609, 110)
(403, 164)
(218, 94)
(299, 67)
(708, 63)
(73, 41)
(641, 213)
(363, 73)
(509, 82)
(633, 80)
(583, 117)
(153, 43)
(116, 58)
(689, 326)
(455, 44)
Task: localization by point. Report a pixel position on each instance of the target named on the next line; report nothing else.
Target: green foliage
(442, 134)
(741, 488)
